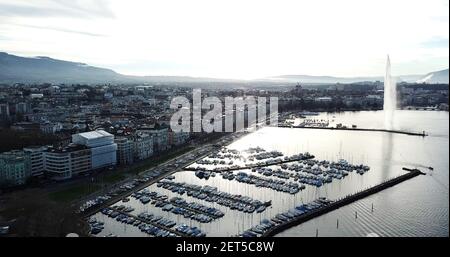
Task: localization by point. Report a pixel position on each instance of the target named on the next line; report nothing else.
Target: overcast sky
(233, 39)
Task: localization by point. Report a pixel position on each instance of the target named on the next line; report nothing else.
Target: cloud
(232, 38)
(13, 10)
(99, 8)
(53, 8)
(437, 42)
(60, 30)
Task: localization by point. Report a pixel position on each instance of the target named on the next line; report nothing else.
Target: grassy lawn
(79, 191)
(34, 214)
(73, 193)
(113, 178)
(152, 162)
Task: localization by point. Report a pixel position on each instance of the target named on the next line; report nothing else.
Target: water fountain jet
(390, 97)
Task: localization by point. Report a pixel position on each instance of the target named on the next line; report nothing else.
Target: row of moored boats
(285, 217)
(211, 194)
(126, 187)
(151, 224)
(274, 184)
(179, 206)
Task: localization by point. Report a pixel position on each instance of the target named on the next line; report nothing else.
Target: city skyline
(205, 39)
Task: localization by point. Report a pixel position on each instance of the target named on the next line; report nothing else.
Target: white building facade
(102, 146)
(143, 146)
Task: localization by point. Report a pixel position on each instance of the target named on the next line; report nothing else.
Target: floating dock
(342, 202)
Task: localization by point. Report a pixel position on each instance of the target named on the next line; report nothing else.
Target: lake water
(417, 207)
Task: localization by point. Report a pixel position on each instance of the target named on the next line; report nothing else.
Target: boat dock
(423, 134)
(184, 206)
(250, 166)
(97, 208)
(342, 202)
(152, 223)
(214, 193)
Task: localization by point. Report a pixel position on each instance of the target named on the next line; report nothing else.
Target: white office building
(102, 147)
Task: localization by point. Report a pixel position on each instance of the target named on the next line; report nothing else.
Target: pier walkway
(342, 202)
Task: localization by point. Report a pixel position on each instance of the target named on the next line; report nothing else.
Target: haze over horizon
(221, 39)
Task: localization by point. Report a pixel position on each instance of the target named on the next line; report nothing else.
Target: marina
(151, 224)
(248, 200)
(250, 158)
(179, 206)
(285, 176)
(211, 194)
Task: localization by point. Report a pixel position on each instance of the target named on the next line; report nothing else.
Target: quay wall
(360, 129)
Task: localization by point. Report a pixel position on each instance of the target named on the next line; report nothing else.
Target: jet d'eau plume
(390, 96)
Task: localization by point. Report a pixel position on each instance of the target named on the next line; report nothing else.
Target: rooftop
(35, 148)
(12, 156)
(69, 148)
(95, 134)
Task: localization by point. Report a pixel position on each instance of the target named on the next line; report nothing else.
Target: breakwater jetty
(342, 202)
(423, 134)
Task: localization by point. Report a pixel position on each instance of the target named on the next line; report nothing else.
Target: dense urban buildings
(65, 162)
(36, 154)
(98, 126)
(14, 168)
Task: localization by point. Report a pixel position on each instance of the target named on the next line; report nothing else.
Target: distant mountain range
(435, 77)
(41, 69)
(16, 69)
(431, 78)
